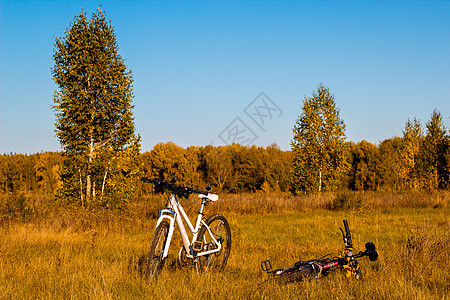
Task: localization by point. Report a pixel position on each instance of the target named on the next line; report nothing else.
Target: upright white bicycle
(210, 245)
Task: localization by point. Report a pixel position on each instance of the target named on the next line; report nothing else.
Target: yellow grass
(76, 254)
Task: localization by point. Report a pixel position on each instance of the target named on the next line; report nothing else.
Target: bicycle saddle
(212, 197)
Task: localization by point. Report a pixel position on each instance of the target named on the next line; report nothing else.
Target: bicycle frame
(175, 214)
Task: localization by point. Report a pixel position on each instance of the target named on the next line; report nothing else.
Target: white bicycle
(210, 245)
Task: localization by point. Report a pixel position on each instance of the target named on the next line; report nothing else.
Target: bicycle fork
(170, 216)
(173, 216)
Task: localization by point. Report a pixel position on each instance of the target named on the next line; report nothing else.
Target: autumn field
(49, 252)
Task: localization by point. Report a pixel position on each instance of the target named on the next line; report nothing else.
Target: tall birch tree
(93, 107)
(318, 144)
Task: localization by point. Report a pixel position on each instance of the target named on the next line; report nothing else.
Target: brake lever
(344, 237)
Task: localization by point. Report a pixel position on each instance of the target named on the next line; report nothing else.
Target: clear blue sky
(199, 66)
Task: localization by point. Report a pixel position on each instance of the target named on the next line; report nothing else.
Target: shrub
(346, 200)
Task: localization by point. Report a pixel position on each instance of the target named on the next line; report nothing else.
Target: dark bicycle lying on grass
(347, 261)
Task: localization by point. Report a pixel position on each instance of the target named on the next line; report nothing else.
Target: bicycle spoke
(217, 236)
(155, 260)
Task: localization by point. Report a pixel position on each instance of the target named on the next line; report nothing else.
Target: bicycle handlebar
(179, 190)
(370, 252)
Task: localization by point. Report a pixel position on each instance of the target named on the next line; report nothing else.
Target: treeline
(30, 173)
(415, 161)
(233, 168)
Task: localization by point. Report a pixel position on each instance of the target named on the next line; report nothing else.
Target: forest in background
(396, 164)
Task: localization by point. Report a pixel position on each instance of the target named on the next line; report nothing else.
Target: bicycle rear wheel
(297, 275)
(155, 259)
(220, 229)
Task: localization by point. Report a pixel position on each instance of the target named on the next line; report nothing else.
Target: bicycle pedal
(197, 246)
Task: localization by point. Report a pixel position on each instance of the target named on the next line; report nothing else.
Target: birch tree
(318, 144)
(409, 155)
(93, 108)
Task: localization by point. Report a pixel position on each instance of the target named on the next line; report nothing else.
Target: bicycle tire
(221, 229)
(297, 275)
(155, 259)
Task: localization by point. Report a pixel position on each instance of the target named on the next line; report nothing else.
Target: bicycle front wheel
(155, 260)
(220, 230)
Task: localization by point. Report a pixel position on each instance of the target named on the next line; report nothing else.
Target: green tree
(94, 122)
(434, 165)
(446, 167)
(389, 163)
(249, 167)
(318, 144)
(46, 170)
(278, 167)
(363, 166)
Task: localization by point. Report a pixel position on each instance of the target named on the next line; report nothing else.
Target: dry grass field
(55, 253)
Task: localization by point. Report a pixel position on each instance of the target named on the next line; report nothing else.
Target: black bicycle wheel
(155, 260)
(220, 229)
(297, 275)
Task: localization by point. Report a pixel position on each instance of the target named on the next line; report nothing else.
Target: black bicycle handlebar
(179, 190)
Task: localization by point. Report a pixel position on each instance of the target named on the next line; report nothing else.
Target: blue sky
(201, 69)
